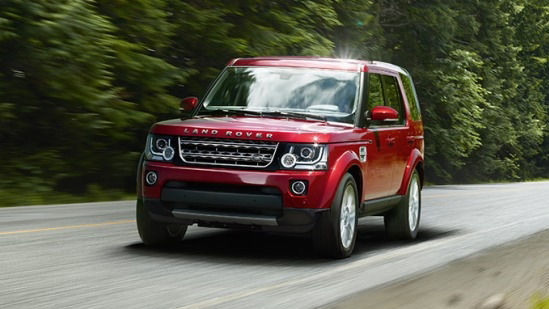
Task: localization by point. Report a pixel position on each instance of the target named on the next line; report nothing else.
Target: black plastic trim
(269, 203)
(294, 220)
(380, 205)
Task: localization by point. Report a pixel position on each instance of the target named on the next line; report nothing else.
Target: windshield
(292, 91)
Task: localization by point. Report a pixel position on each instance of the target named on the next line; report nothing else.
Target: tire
(154, 233)
(328, 238)
(402, 223)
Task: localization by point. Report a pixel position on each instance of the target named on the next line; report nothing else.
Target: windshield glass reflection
(328, 93)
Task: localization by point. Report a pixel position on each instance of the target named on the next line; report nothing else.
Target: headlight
(159, 148)
(305, 157)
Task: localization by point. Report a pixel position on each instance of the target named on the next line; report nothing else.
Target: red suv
(288, 144)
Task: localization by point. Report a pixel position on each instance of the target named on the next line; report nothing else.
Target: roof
(318, 63)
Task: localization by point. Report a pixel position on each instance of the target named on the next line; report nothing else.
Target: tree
(60, 110)
(82, 80)
(210, 33)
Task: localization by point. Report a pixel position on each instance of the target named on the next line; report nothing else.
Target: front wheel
(335, 232)
(403, 221)
(155, 233)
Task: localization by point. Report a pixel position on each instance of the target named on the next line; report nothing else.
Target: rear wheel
(335, 233)
(403, 221)
(155, 233)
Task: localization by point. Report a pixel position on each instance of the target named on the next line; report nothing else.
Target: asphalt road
(90, 256)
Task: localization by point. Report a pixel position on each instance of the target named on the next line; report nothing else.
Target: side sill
(379, 205)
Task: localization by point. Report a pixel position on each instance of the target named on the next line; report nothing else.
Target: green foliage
(499, 156)
(82, 80)
(358, 34)
(94, 193)
(210, 33)
(482, 85)
(454, 123)
(540, 303)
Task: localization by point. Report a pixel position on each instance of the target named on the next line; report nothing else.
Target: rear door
(414, 136)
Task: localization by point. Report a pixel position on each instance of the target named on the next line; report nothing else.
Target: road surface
(90, 256)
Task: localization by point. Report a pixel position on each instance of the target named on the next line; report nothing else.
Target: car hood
(259, 128)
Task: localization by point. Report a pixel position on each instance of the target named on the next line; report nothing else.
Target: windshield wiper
(294, 115)
(274, 113)
(235, 111)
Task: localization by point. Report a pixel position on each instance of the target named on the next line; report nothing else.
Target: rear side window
(411, 95)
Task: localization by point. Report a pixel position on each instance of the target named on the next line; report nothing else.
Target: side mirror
(188, 105)
(384, 114)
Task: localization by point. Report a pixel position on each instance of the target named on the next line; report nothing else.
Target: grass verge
(540, 303)
(18, 197)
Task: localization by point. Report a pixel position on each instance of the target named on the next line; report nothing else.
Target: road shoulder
(512, 273)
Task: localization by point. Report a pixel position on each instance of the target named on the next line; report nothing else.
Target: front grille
(227, 152)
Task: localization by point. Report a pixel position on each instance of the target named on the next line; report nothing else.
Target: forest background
(82, 81)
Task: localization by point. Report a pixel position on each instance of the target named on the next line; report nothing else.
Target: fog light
(151, 178)
(299, 187)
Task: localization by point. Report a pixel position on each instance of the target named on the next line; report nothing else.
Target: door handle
(411, 139)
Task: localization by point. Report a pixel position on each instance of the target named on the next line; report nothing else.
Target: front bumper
(291, 219)
(235, 198)
(319, 194)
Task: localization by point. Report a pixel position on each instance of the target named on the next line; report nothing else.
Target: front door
(381, 140)
(398, 131)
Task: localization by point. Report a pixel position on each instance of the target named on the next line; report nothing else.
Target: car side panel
(382, 152)
(343, 157)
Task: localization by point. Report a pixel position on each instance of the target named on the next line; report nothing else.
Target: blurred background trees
(81, 81)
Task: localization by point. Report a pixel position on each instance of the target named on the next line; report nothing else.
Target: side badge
(363, 154)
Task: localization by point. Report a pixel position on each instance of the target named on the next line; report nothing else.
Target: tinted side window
(383, 90)
(411, 96)
(375, 92)
(392, 96)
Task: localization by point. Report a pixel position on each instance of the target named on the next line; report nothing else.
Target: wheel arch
(415, 162)
(347, 162)
(421, 171)
(356, 172)
(139, 176)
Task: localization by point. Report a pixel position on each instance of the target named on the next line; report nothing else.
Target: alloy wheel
(347, 223)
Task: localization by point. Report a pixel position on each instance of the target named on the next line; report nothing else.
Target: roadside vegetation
(93, 194)
(81, 81)
(541, 303)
